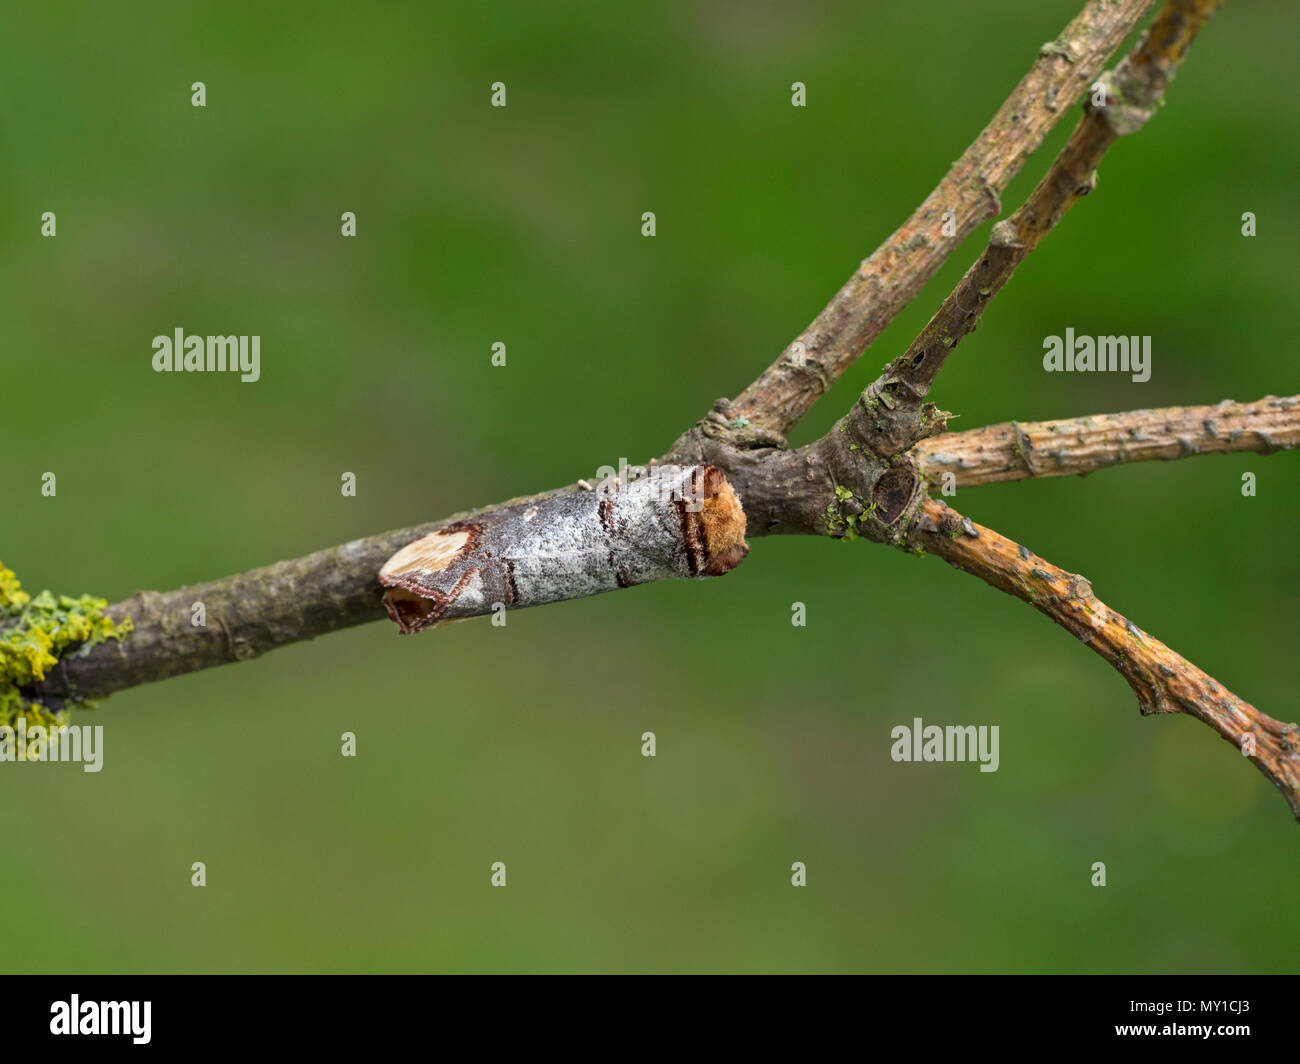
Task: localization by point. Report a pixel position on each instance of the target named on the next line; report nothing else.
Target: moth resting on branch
(672, 522)
(868, 478)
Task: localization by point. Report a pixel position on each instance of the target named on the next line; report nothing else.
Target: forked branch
(1120, 103)
(867, 477)
(969, 194)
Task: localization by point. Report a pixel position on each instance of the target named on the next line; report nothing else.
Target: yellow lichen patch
(12, 595)
(35, 632)
(18, 738)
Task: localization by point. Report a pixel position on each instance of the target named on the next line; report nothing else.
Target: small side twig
(1164, 681)
(1125, 99)
(968, 195)
(1019, 450)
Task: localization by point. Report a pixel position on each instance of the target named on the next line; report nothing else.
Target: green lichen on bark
(843, 515)
(35, 632)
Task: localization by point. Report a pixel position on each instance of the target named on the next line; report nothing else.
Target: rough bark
(893, 275)
(1125, 99)
(1019, 450)
(1164, 681)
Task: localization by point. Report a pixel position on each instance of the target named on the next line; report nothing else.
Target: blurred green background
(521, 744)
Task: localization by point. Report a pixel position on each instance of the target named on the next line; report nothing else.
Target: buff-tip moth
(675, 521)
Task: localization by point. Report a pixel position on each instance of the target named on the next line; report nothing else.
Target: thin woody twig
(893, 275)
(840, 485)
(1164, 681)
(1019, 450)
(1131, 92)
